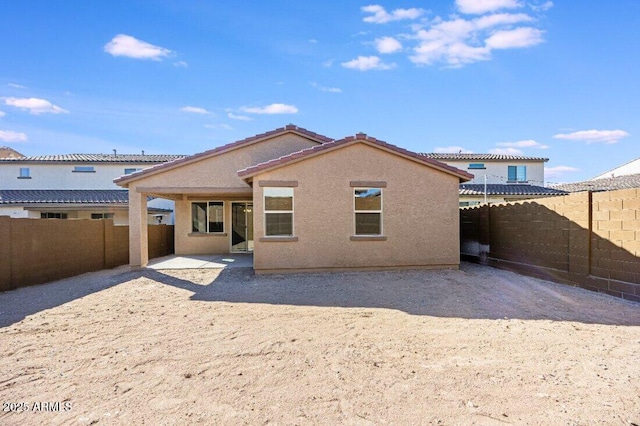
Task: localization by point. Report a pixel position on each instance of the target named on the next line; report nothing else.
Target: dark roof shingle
(64, 196)
(479, 157)
(508, 190)
(604, 184)
(96, 158)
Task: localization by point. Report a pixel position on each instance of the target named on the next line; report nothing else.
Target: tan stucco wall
(420, 217)
(218, 172)
(222, 170)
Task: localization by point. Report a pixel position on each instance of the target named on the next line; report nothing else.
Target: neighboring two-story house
(498, 177)
(75, 186)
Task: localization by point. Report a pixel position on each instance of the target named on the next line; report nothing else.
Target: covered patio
(219, 261)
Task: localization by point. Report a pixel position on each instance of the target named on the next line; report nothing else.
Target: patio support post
(138, 229)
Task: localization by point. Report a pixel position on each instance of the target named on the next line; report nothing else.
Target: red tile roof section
(277, 162)
(221, 149)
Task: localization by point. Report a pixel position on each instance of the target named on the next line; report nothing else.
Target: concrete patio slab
(235, 260)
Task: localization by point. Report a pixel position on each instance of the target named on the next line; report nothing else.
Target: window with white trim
(132, 170)
(207, 217)
(517, 174)
(25, 173)
(367, 207)
(278, 212)
(84, 169)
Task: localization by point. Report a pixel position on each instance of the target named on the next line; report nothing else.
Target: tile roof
(508, 190)
(602, 184)
(96, 158)
(478, 157)
(295, 156)
(64, 196)
(223, 148)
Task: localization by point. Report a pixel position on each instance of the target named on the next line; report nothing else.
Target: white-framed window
(207, 217)
(367, 208)
(131, 170)
(517, 173)
(52, 215)
(25, 173)
(84, 169)
(101, 215)
(278, 212)
(477, 166)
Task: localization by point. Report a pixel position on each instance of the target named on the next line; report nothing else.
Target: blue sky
(554, 79)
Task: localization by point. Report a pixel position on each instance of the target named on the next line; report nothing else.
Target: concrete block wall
(587, 239)
(36, 251)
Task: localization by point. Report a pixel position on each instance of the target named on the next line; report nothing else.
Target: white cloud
(553, 172)
(496, 19)
(35, 106)
(271, 109)
(505, 151)
(366, 63)
(181, 64)
(328, 63)
(478, 7)
(542, 7)
(313, 41)
(459, 41)
(381, 16)
(238, 117)
(518, 38)
(452, 150)
(195, 110)
(2, 113)
(218, 126)
(530, 143)
(16, 86)
(326, 89)
(593, 136)
(11, 136)
(387, 45)
(131, 47)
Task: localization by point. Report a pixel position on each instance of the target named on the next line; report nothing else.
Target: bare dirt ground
(475, 346)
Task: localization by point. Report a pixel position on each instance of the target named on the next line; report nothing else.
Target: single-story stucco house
(301, 201)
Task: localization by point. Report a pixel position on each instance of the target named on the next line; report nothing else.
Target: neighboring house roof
(64, 196)
(602, 184)
(7, 152)
(630, 168)
(508, 190)
(95, 158)
(480, 157)
(359, 138)
(290, 128)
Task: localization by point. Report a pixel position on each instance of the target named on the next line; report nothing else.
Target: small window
(207, 217)
(368, 211)
(50, 215)
(476, 166)
(25, 173)
(278, 212)
(101, 215)
(129, 171)
(84, 169)
(517, 174)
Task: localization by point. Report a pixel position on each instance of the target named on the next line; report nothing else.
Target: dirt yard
(475, 346)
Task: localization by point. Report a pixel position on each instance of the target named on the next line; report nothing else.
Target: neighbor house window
(84, 169)
(476, 166)
(50, 215)
(207, 217)
(278, 212)
(25, 173)
(129, 171)
(368, 211)
(517, 174)
(101, 215)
